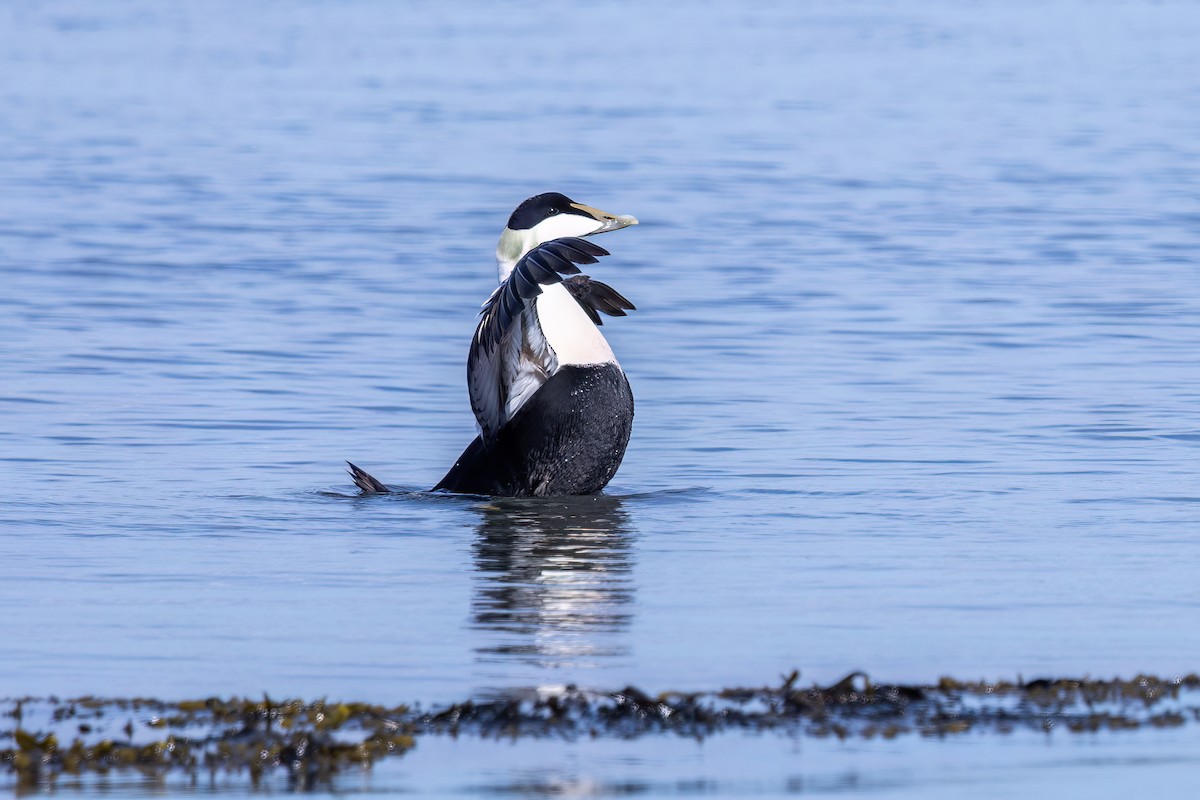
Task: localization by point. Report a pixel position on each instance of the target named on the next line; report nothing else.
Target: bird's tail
(366, 482)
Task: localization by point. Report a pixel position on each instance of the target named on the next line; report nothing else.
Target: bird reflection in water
(554, 579)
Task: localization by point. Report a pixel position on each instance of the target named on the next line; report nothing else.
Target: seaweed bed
(43, 738)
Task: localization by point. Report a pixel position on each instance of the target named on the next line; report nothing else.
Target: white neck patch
(514, 244)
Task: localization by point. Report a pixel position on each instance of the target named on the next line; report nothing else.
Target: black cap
(540, 207)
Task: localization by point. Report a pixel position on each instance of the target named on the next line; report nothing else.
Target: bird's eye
(553, 211)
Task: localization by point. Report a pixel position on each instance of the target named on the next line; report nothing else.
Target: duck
(553, 408)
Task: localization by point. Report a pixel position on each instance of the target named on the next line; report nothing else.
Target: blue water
(916, 354)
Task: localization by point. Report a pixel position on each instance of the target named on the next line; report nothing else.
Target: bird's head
(551, 216)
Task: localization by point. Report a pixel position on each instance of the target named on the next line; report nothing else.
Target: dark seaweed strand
(544, 264)
(310, 742)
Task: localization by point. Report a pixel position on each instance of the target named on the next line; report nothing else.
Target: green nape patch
(43, 738)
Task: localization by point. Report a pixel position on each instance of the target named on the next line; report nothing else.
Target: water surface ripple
(915, 354)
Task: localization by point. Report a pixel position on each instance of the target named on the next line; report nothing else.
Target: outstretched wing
(499, 338)
(597, 298)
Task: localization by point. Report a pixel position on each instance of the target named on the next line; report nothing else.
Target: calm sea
(916, 360)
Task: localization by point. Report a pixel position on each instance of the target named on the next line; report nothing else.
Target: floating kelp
(41, 739)
(309, 741)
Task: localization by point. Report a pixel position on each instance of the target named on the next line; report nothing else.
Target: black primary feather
(544, 264)
(596, 298)
(584, 256)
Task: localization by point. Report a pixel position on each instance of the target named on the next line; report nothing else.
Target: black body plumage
(568, 439)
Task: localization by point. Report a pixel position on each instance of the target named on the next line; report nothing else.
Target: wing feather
(596, 298)
(498, 348)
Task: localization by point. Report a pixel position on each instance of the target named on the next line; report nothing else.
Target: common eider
(553, 406)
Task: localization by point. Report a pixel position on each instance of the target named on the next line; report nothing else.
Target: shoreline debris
(311, 742)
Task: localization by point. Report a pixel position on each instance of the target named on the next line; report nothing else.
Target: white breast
(571, 335)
